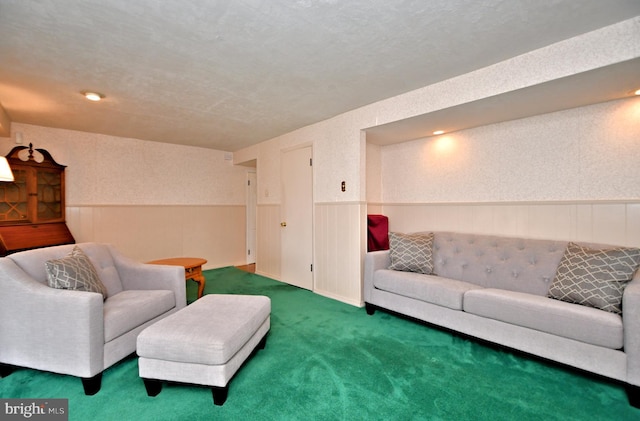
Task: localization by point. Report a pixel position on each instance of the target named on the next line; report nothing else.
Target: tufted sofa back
(516, 264)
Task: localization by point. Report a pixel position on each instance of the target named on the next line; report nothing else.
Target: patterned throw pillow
(411, 252)
(75, 272)
(595, 278)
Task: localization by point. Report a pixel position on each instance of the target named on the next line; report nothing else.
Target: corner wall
(339, 151)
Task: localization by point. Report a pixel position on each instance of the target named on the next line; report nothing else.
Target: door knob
(283, 224)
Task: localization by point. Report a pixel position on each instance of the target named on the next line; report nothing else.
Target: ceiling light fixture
(437, 132)
(93, 96)
(637, 92)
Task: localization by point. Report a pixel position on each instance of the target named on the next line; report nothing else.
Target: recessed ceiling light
(93, 96)
(438, 132)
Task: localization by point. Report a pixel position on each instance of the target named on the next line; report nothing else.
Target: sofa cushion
(584, 324)
(431, 289)
(411, 252)
(131, 308)
(594, 277)
(74, 271)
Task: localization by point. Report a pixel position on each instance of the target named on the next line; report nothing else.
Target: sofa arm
(141, 276)
(49, 329)
(373, 261)
(631, 329)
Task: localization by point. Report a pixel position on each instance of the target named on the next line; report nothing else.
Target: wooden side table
(192, 269)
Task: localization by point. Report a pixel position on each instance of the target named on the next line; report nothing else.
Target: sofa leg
(633, 394)
(219, 394)
(92, 385)
(153, 386)
(6, 369)
(370, 308)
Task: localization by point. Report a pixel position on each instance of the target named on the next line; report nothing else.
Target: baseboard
(345, 300)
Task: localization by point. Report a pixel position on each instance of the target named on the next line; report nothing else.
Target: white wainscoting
(268, 241)
(340, 243)
(143, 233)
(606, 222)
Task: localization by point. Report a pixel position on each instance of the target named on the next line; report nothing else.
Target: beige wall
(215, 233)
(268, 241)
(338, 252)
(616, 223)
(151, 200)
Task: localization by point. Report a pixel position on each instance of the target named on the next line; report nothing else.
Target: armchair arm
(141, 276)
(49, 329)
(631, 329)
(373, 261)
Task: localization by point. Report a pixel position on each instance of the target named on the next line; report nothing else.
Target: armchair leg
(153, 386)
(6, 369)
(633, 394)
(92, 384)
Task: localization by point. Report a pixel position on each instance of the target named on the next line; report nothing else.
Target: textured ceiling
(229, 74)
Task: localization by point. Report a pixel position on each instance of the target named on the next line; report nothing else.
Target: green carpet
(325, 360)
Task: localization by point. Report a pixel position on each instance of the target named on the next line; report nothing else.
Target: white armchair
(79, 333)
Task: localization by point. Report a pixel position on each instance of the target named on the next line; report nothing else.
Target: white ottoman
(205, 343)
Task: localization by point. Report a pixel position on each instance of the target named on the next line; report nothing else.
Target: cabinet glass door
(49, 195)
(13, 198)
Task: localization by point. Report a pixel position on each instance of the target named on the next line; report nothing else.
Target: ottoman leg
(262, 343)
(153, 386)
(219, 394)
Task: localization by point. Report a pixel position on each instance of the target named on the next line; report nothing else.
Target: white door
(296, 225)
(251, 217)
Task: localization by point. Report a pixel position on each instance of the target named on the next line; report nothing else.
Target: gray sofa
(495, 289)
(80, 333)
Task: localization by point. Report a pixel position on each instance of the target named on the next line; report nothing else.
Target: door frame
(252, 201)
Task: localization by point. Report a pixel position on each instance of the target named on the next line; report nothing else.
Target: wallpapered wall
(558, 157)
(110, 170)
(340, 153)
(337, 142)
(570, 175)
(587, 153)
(151, 200)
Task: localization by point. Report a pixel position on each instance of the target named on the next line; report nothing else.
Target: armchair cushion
(110, 278)
(129, 309)
(76, 272)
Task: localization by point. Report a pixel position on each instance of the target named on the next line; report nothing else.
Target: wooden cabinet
(32, 208)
